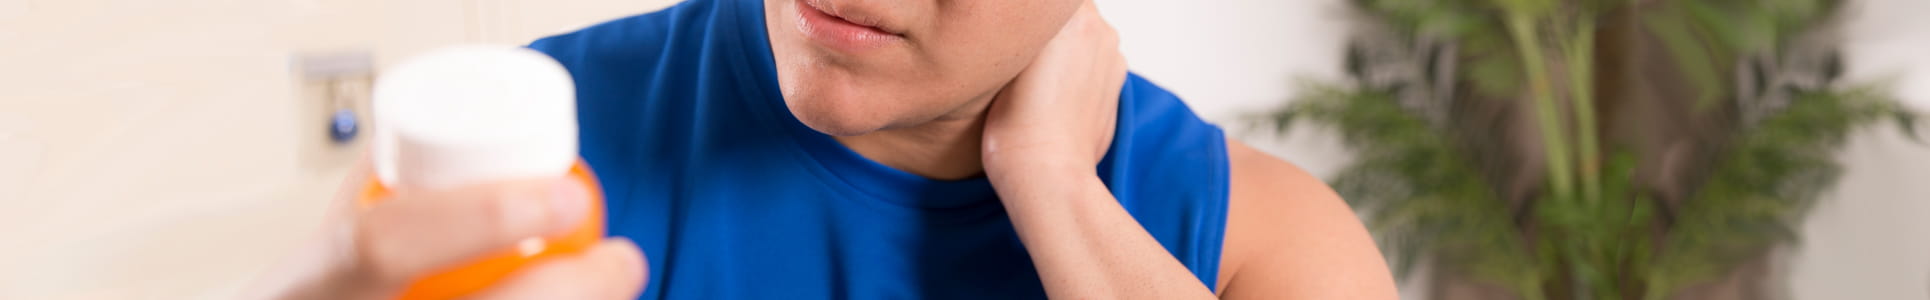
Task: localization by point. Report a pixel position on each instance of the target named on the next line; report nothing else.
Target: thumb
(614, 269)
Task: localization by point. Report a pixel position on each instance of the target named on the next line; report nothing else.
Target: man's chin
(832, 119)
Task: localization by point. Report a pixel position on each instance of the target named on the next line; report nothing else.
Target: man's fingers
(416, 232)
(614, 269)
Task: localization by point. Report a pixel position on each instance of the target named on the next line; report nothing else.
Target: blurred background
(1704, 149)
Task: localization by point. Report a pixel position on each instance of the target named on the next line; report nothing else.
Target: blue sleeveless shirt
(731, 197)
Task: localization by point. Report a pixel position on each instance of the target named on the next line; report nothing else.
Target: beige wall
(167, 149)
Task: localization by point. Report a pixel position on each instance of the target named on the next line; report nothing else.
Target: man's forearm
(1085, 245)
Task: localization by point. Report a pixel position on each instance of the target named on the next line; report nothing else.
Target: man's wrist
(1039, 179)
(1034, 168)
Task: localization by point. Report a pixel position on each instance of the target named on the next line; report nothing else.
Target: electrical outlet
(331, 86)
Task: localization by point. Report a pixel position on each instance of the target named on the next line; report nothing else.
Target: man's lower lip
(839, 34)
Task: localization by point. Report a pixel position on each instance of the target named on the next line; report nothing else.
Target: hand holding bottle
(414, 233)
(473, 188)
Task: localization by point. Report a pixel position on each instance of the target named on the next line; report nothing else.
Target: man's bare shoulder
(1289, 236)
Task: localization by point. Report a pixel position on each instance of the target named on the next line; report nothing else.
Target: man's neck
(946, 148)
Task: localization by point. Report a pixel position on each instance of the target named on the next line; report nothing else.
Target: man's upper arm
(1288, 236)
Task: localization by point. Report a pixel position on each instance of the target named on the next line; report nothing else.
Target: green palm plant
(1512, 140)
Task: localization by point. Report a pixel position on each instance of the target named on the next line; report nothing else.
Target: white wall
(165, 149)
(1871, 238)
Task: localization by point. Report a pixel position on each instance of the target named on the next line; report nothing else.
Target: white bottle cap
(472, 114)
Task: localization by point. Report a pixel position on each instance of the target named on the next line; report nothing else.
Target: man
(985, 149)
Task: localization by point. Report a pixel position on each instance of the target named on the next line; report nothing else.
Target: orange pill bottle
(477, 114)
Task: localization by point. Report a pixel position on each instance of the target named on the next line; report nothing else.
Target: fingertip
(613, 269)
(624, 253)
(622, 264)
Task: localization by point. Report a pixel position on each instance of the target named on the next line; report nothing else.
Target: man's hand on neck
(1044, 137)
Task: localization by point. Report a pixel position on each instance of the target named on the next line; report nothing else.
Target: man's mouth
(847, 15)
(845, 30)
